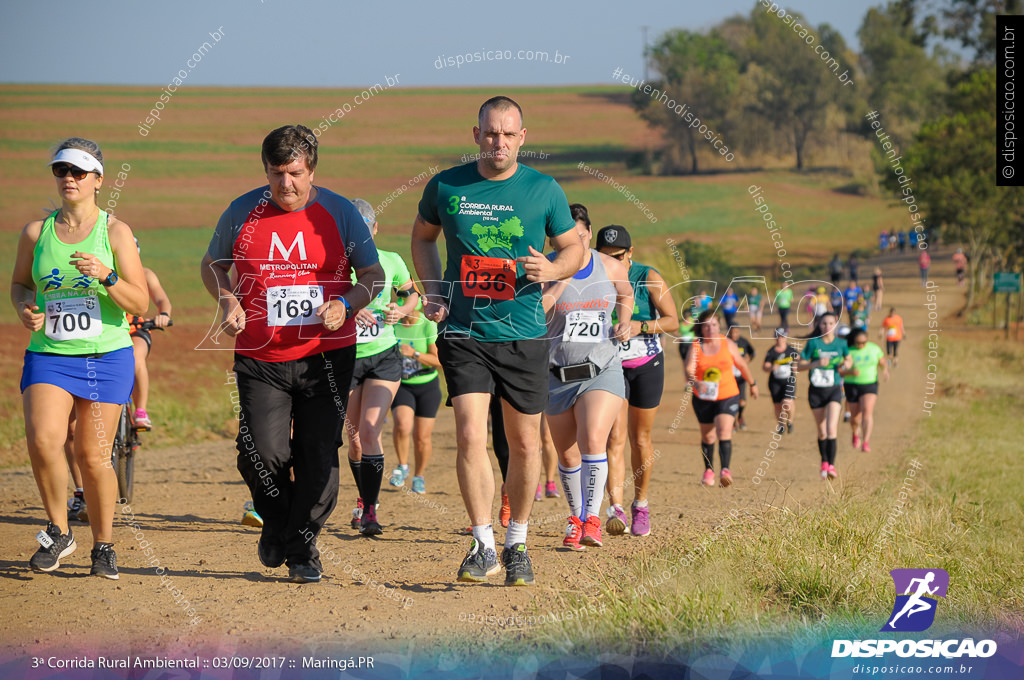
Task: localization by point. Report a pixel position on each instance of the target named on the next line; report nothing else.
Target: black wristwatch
(111, 279)
(644, 328)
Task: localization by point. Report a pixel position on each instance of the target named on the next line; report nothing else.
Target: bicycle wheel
(122, 457)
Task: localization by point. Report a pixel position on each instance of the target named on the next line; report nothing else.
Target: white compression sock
(484, 535)
(595, 475)
(516, 533)
(572, 485)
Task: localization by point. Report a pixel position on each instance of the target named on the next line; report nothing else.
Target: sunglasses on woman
(63, 169)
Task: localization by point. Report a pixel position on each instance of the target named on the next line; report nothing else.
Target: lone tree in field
(794, 88)
(701, 72)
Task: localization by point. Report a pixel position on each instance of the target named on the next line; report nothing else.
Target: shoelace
(107, 556)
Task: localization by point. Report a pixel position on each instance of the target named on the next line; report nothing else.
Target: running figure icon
(916, 604)
(917, 591)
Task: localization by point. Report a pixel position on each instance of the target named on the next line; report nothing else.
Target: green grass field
(784, 573)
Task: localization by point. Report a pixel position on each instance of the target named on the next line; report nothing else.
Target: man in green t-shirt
(495, 214)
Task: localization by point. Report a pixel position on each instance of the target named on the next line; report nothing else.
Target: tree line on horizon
(754, 81)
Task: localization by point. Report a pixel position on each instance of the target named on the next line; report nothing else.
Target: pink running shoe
(856, 441)
(540, 492)
(865, 447)
(641, 525)
(832, 474)
(726, 478)
(824, 470)
(592, 532)
(142, 420)
(573, 534)
(709, 477)
(551, 490)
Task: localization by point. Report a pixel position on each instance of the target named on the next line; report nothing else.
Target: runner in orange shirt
(892, 330)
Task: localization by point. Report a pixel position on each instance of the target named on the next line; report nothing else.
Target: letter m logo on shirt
(276, 243)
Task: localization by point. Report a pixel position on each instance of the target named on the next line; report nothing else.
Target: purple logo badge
(917, 593)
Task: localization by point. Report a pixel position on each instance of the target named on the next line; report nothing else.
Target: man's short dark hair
(501, 103)
(289, 143)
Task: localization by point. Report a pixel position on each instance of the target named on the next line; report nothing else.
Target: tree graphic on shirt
(499, 236)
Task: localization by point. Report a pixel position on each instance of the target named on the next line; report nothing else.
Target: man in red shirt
(293, 246)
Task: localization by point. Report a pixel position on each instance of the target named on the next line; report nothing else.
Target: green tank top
(81, 318)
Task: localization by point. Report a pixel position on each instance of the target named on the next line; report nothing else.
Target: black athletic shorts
(386, 365)
(516, 370)
(781, 390)
(707, 410)
(819, 397)
(853, 392)
(644, 384)
(140, 333)
(892, 347)
(742, 385)
(424, 399)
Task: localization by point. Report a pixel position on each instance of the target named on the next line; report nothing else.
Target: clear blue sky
(338, 43)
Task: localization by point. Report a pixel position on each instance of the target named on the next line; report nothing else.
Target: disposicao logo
(914, 609)
(917, 593)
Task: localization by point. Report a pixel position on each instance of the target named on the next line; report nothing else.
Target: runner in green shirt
(494, 213)
(375, 378)
(418, 398)
(784, 300)
(860, 383)
(825, 357)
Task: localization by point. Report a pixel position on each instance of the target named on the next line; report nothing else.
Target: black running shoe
(518, 569)
(270, 555)
(53, 546)
(303, 573)
(789, 428)
(781, 429)
(479, 563)
(368, 525)
(104, 561)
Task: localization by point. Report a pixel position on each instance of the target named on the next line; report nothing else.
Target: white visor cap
(79, 159)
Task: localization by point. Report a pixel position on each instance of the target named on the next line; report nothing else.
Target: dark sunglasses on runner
(63, 169)
(620, 256)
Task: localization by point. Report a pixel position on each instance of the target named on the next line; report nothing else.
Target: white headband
(80, 159)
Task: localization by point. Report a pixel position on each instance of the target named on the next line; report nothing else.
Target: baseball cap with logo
(613, 236)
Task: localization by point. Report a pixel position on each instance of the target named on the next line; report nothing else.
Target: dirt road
(395, 592)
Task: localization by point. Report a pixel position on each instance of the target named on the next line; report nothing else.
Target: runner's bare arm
(130, 293)
(159, 297)
(368, 279)
(552, 291)
(566, 263)
(218, 284)
(426, 260)
(23, 288)
(668, 321)
(399, 312)
(691, 362)
(619, 276)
